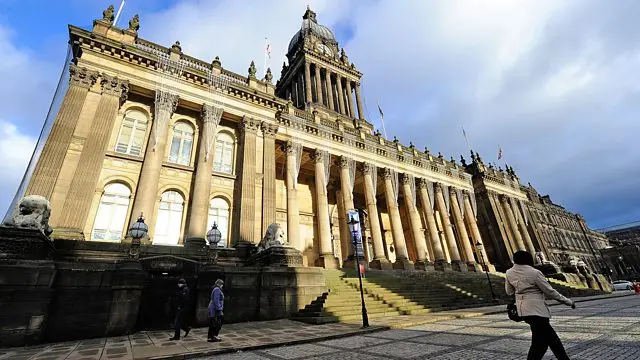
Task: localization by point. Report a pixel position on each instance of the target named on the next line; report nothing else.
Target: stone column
(147, 189)
(379, 261)
(475, 232)
(247, 206)
(439, 261)
(319, 85)
(456, 263)
(326, 258)
(402, 258)
(83, 186)
(293, 213)
(55, 148)
(329, 90)
(345, 234)
(525, 233)
(269, 132)
(350, 99)
(347, 201)
(415, 223)
(199, 209)
(307, 82)
(359, 102)
(340, 94)
(462, 231)
(512, 222)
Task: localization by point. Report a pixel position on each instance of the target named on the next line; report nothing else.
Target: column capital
(422, 183)
(211, 113)
(269, 129)
(452, 189)
(249, 125)
(367, 168)
(465, 194)
(82, 77)
(437, 186)
(317, 155)
(112, 85)
(288, 147)
(386, 172)
(503, 198)
(343, 162)
(166, 101)
(405, 178)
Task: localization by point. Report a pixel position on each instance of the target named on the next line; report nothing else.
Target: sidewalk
(236, 337)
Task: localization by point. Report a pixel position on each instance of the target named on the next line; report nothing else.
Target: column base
(327, 261)
(195, 242)
(458, 265)
(350, 262)
(68, 234)
(473, 266)
(382, 264)
(424, 265)
(441, 265)
(403, 264)
(489, 268)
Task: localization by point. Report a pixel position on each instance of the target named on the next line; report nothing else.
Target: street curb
(191, 355)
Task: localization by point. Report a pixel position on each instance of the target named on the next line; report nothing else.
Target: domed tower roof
(310, 26)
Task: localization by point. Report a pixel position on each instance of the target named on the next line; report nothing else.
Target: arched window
(169, 220)
(112, 213)
(223, 159)
(132, 131)
(219, 213)
(181, 143)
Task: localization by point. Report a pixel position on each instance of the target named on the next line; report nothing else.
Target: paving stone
(405, 350)
(297, 351)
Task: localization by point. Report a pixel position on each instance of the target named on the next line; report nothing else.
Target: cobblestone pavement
(596, 330)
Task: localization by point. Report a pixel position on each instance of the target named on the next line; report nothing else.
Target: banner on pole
(353, 219)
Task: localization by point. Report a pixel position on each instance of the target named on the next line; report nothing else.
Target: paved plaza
(596, 330)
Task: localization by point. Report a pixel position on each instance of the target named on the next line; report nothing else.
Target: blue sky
(553, 82)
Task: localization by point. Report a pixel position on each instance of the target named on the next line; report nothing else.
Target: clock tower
(319, 75)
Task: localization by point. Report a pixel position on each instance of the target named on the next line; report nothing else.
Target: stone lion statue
(33, 213)
(275, 236)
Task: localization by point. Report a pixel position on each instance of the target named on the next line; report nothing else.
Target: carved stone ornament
(438, 186)
(134, 23)
(343, 162)
(317, 155)
(387, 173)
(33, 213)
(80, 76)
(274, 236)
(252, 70)
(405, 178)
(108, 14)
(216, 62)
(288, 147)
(367, 168)
(268, 77)
(249, 125)
(269, 129)
(111, 85)
(422, 183)
(176, 48)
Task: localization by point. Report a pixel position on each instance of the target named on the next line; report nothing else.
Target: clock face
(324, 49)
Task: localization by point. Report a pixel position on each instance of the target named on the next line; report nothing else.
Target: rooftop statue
(108, 14)
(252, 69)
(33, 213)
(134, 24)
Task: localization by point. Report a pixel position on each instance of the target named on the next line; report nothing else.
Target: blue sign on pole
(353, 219)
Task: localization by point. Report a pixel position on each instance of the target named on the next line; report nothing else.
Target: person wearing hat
(181, 306)
(215, 311)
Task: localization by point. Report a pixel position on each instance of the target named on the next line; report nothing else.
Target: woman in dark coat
(216, 305)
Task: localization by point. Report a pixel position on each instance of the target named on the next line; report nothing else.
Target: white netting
(524, 212)
(394, 185)
(412, 187)
(474, 204)
(326, 162)
(512, 204)
(374, 178)
(447, 200)
(460, 200)
(432, 194)
(166, 102)
(297, 150)
(211, 118)
(352, 173)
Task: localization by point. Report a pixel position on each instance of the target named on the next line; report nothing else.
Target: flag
(464, 133)
(267, 49)
(499, 152)
(380, 109)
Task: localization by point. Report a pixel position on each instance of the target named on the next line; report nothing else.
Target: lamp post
(137, 231)
(353, 226)
(479, 246)
(214, 236)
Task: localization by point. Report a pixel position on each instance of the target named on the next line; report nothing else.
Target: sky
(554, 83)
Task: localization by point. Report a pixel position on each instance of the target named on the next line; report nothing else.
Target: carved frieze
(112, 85)
(249, 125)
(80, 76)
(269, 130)
(343, 162)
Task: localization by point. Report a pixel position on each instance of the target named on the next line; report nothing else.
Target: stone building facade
(148, 130)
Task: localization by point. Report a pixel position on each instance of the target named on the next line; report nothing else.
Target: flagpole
(266, 49)
(118, 13)
(384, 129)
(464, 133)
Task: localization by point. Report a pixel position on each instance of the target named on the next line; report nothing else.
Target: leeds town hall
(160, 166)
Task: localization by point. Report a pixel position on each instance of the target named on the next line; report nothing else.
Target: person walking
(181, 306)
(530, 286)
(216, 305)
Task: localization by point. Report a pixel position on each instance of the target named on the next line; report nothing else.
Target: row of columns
(328, 88)
(429, 252)
(518, 234)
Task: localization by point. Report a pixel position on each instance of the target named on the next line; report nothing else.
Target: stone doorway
(156, 304)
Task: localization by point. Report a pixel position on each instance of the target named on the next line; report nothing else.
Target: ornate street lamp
(479, 246)
(137, 231)
(214, 236)
(353, 226)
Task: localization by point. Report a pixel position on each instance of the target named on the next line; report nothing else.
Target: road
(595, 330)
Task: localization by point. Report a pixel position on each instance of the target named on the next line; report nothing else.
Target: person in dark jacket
(216, 305)
(530, 287)
(181, 306)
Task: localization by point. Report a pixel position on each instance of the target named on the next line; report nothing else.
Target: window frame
(180, 156)
(134, 127)
(124, 204)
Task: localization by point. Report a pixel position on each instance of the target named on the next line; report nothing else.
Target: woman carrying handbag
(530, 287)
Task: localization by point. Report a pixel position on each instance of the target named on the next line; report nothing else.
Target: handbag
(512, 311)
